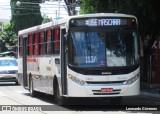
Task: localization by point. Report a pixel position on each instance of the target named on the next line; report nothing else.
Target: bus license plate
(106, 89)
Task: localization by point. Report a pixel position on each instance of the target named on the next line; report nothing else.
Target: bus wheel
(116, 100)
(32, 92)
(58, 99)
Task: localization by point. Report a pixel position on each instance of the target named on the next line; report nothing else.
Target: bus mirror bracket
(57, 61)
(65, 38)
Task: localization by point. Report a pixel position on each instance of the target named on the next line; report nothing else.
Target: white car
(8, 69)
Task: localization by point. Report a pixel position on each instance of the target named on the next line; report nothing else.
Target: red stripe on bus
(31, 60)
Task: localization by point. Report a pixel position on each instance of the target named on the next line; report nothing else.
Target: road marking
(2, 94)
(22, 92)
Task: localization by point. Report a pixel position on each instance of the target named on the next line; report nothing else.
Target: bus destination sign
(102, 22)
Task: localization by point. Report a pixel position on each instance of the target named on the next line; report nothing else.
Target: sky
(52, 9)
(49, 8)
(5, 12)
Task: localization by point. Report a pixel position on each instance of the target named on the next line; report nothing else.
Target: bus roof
(66, 20)
(102, 15)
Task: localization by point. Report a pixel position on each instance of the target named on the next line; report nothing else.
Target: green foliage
(25, 15)
(94, 6)
(7, 38)
(147, 11)
(1, 23)
(46, 19)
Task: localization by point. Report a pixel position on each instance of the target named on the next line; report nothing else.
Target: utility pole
(77, 8)
(73, 6)
(58, 8)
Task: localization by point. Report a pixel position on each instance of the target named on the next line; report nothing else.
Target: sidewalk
(150, 90)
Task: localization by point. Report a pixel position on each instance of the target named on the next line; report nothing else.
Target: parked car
(8, 69)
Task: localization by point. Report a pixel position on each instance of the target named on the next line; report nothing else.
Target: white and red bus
(87, 56)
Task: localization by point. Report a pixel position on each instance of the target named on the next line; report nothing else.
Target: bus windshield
(103, 48)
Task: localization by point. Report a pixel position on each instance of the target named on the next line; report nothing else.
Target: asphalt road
(18, 99)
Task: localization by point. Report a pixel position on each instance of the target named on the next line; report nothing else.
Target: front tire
(58, 99)
(116, 100)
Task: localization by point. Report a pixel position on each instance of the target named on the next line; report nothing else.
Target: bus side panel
(42, 73)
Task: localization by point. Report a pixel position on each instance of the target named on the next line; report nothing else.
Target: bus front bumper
(76, 90)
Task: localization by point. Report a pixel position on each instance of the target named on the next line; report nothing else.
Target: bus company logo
(21, 108)
(6, 108)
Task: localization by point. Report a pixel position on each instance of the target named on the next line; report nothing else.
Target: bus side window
(41, 44)
(48, 42)
(30, 50)
(56, 42)
(35, 44)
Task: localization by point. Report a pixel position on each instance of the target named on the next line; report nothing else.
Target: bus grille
(109, 82)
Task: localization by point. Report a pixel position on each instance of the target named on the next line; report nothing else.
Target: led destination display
(102, 22)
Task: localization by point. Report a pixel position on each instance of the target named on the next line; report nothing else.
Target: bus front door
(24, 61)
(63, 62)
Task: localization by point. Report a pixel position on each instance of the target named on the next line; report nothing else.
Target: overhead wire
(34, 8)
(40, 6)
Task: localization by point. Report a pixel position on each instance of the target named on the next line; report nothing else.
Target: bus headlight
(132, 80)
(77, 80)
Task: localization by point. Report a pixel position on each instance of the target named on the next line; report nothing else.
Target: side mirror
(57, 61)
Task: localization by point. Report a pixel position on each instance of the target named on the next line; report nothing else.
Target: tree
(147, 12)
(1, 25)
(46, 19)
(7, 38)
(26, 14)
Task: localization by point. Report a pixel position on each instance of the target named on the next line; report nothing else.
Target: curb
(154, 95)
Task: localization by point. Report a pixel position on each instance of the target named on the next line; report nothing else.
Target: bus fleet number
(90, 59)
